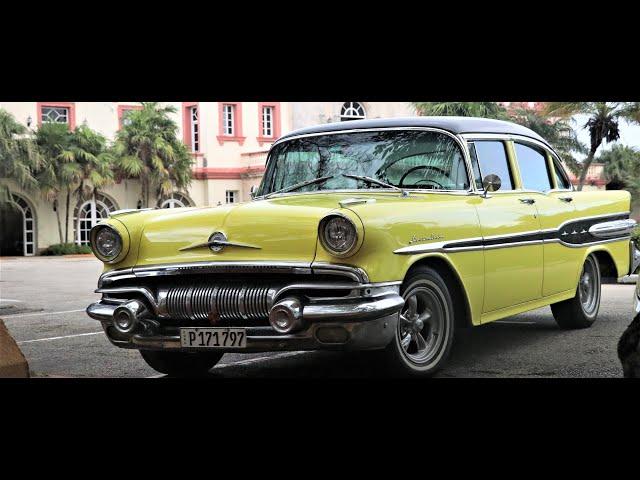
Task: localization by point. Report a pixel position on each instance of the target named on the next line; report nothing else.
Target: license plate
(213, 337)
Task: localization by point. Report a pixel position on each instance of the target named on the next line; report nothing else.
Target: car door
(550, 191)
(513, 251)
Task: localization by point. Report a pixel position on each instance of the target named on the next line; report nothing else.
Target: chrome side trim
(355, 201)
(581, 245)
(534, 237)
(615, 228)
(128, 211)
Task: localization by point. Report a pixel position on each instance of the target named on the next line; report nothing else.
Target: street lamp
(29, 120)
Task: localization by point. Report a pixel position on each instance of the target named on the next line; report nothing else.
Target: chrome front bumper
(351, 323)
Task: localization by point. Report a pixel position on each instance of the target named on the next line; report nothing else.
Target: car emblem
(217, 241)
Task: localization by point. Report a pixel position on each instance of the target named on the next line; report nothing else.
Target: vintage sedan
(376, 235)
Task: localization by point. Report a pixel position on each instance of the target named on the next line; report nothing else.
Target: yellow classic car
(380, 235)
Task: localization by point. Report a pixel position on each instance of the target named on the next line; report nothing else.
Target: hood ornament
(217, 242)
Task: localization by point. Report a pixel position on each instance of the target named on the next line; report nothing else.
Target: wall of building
(305, 114)
(220, 165)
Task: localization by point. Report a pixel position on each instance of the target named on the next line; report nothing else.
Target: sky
(629, 134)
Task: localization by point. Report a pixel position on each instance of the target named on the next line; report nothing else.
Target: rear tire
(425, 331)
(581, 311)
(181, 363)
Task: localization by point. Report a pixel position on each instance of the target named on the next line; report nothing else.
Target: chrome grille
(227, 302)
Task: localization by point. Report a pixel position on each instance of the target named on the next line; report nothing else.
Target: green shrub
(635, 236)
(66, 249)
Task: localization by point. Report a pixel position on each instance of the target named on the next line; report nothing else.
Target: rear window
(534, 168)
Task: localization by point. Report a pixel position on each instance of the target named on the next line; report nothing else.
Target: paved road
(42, 302)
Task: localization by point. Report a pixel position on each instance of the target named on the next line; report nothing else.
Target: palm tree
(53, 139)
(148, 148)
(462, 109)
(631, 112)
(75, 163)
(87, 166)
(558, 132)
(622, 169)
(602, 125)
(19, 156)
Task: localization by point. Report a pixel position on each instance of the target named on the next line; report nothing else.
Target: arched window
(18, 227)
(175, 200)
(352, 111)
(89, 213)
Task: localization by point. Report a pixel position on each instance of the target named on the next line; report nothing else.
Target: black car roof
(455, 125)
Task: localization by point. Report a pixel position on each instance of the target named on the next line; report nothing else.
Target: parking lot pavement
(42, 301)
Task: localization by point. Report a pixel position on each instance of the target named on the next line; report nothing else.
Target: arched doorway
(17, 224)
(89, 213)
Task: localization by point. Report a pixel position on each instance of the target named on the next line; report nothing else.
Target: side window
(534, 168)
(561, 178)
(491, 156)
(477, 176)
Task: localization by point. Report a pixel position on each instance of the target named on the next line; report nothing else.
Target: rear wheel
(424, 335)
(181, 363)
(582, 310)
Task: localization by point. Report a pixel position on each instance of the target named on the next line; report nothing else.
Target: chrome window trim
(456, 138)
(523, 139)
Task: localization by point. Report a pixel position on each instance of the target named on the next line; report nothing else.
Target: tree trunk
(66, 220)
(585, 167)
(57, 210)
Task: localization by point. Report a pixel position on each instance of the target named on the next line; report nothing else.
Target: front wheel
(181, 363)
(424, 334)
(582, 310)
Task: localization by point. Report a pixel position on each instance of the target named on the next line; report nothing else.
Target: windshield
(410, 159)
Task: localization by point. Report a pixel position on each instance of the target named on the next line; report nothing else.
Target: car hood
(282, 230)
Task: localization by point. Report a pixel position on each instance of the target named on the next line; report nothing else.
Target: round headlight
(338, 235)
(106, 243)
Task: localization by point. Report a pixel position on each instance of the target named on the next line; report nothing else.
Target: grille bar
(228, 302)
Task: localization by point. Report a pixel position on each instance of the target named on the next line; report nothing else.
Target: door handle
(566, 199)
(528, 201)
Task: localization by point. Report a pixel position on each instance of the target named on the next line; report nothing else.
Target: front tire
(425, 331)
(581, 311)
(181, 363)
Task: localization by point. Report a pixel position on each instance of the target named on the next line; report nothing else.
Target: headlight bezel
(353, 248)
(123, 238)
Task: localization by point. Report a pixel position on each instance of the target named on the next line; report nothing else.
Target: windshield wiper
(297, 186)
(370, 180)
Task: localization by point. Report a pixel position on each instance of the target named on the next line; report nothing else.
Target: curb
(12, 361)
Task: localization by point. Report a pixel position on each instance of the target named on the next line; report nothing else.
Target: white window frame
(229, 120)
(44, 117)
(101, 203)
(231, 195)
(194, 118)
(175, 200)
(268, 114)
(352, 111)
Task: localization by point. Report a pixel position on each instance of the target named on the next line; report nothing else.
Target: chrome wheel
(423, 320)
(589, 287)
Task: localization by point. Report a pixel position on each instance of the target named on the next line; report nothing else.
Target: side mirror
(491, 183)
(253, 191)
